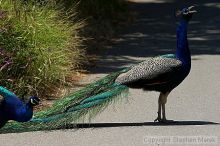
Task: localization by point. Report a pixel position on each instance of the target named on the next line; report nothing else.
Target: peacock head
(34, 100)
(186, 13)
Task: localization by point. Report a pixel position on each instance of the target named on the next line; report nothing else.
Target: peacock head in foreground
(186, 13)
(34, 100)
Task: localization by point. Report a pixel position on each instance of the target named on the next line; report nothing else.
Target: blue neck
(182, 50)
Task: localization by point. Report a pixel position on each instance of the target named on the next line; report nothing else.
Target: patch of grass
(39, 47)
(103, 18)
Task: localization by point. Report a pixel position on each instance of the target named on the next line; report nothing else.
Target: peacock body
(162, 73)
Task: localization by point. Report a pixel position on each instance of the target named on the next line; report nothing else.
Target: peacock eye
(185, 11)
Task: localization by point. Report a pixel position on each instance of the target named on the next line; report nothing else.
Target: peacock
(12, 108)
(161, 73)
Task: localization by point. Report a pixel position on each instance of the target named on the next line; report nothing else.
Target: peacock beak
(191, 9)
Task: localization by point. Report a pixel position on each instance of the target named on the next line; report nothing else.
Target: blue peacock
(161, 73)
(12, 108)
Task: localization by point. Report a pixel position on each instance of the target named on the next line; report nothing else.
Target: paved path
(194, 104)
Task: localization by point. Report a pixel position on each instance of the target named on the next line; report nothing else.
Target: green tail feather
(88, 101)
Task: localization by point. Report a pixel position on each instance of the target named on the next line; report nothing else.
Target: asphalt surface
(194, 105)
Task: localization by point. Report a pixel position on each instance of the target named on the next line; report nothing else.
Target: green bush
(39, 47)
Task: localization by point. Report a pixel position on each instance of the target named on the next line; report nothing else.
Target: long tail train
(86, 102)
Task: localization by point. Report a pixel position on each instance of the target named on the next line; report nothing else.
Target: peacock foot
(164, 120)
(158, 119)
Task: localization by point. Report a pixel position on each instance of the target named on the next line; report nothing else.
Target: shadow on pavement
(173, 123)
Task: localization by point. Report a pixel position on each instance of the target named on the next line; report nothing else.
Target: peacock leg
(159, 108)
(161, 105)
(164, 119)
(164, 101)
